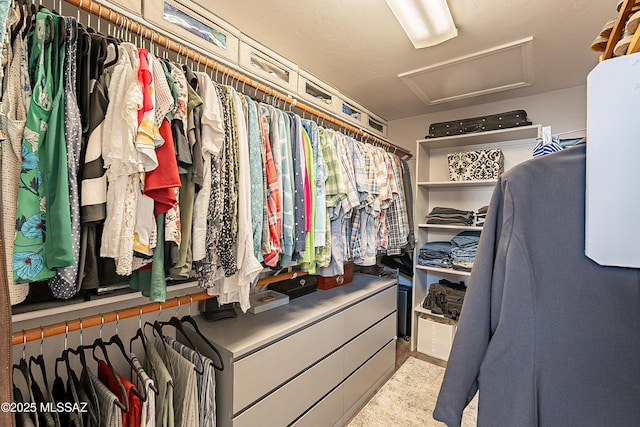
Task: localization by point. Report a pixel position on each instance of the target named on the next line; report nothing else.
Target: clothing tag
(546, 135)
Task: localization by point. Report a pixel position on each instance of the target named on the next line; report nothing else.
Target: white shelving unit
(433, 188)
(450, 227)
(451, 184)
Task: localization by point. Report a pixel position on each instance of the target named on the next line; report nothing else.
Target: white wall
(564, 110)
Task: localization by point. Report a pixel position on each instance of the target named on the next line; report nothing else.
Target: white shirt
(212, 141)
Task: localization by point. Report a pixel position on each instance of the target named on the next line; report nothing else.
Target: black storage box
(296, 287)
(504, 120)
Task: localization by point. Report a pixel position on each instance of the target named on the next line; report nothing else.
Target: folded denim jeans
(438, 246)
(465, 238)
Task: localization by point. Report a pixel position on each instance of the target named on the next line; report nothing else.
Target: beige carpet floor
(408, 399)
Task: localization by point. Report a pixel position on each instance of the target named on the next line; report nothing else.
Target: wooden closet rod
(136, 28)
(35, 334)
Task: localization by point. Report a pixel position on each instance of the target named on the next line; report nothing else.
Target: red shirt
(133, 417)
(160, 182)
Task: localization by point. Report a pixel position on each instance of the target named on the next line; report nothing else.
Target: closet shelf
(443, 270)
(457, 184)
(420, 309)
(451, 227)
(489, 137)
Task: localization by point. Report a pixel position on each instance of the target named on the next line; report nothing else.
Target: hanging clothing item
(228, 187)
(206, 382)
(93, 196)
(256, 176)
(151, 280)
(156, 367)
(159, 183)
(207, 209)
(70, 395)
(335, 191)
(541, 148)
(5, 6)
(13, 116)
(212, 140)
(29, 254)
(288, 190)
(275, 134)
(133, 416)
(527, 338)
(5, 336)
(53, 164)
(185, 396)
(299, 167)
(397, 212)
(148, 136)
(360, 155)
(46, 419)
(87, 393)
(308, 259)
(408, 193)
(121, 159)
(271, 248)
(320, 173)
(22, 419)
(182, 268)
(65, 283)
(110, 414)
(236, 287)
(148, 407)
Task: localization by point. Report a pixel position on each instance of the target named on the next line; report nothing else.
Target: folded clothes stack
(481, 216)
(463, 250)
(435, 254)
(450, 216)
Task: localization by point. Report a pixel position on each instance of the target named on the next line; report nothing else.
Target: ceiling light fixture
(426, 22)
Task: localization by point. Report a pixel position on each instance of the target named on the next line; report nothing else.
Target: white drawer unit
(313, 362)
(265, 63)
(195, 24)
(375, 124)
(317, 92)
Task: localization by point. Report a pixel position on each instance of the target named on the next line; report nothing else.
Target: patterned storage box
(475, 165)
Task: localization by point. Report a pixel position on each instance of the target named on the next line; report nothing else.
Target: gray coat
(549, 337)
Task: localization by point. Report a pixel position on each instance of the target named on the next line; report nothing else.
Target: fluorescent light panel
(426, 22)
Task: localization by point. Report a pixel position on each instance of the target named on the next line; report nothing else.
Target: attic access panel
(493, 70)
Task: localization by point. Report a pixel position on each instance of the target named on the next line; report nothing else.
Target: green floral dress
(29, 254)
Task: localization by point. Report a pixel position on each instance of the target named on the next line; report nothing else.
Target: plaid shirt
(397, 213)
(272, 252)
(348, 174)
(334, 186)
(335, 191)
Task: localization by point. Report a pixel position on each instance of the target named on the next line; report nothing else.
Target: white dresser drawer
(327, 412)
(364, 314)
(364, 382)
(292, 399)
(264, 370)
(362, 347)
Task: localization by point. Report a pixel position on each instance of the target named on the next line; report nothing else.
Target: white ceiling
(359, 48)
